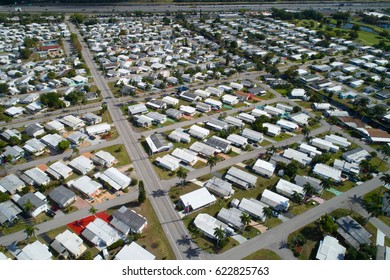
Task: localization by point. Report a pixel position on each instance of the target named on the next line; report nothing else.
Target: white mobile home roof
(86, 185)
(215, 91)
(137, 109)
(287, 124)
(234, 121)
(337, 140)
(106, 157)
(178, 135)
(213, 102)
(264, 167)
(229, 99)
(52, 140)
(330, 249)
(197, 199)
(198, 132)
(34, 145)
(169, 162)
(72, 121)
(185, 156)
(273, 129)
(54, 125)
(296, 155)
(60, 169)
(241, 177)
(39, 177)
(202, 93)
(323, 144)
(115, 178)
(203, 149)
(308, 149)
(300, 118)
(219, 187)
(232, 217)
(100, 233)
(246, 117)
(35, 251)
(273, 110)
(253, 207)
(98, 128)
(327, 171)
(207, 224)
(237, 139)
(258, 113)
(252, 135)
(287, 188)
(134, 252)
(170, 100)
(82, 164)
(275, 200)
(72, 242)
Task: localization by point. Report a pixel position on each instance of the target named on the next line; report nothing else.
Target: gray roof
(33, 128)
(219, 187)
(8, 211)
(302, 180)
(159, 140)
(240, 177)
(35, 201)
(11, 183)
(232, 217)
(353, 233)
(125, 219)
(61, 195)
(57, 246)
(173, 113)
(218, 143)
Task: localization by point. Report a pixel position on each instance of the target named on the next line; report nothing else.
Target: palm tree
(92, 211)
(75, 151)
(296, 197)
(219, 234)
(267, 211)
(211, 161)
(30, 231)
(309, 189)
(245, 219)
(28, 206)
(182, 174)
(365, 165)
(373, 205)
(385, 152)
(306, 131)
(327, 183)
(385, 179)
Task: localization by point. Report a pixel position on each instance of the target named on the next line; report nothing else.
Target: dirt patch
(85, 144)
(187, 117)
(87, 155)
(259, 227)
(223, 156)
(42, 167)
(80, 203)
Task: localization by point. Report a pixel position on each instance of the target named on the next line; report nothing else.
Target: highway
(121, 7)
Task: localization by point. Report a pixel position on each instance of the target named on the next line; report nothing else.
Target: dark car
(50, 213)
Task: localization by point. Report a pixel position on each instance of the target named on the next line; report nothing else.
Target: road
(120, 7)
(164, 208)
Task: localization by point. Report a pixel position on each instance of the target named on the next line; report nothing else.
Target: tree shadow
(356, 200)
(283, 244)
(158, 193)
(185, 240)
(192, 252)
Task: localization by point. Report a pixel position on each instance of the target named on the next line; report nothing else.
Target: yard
(119, 152)
(263, 254)
(299, 209)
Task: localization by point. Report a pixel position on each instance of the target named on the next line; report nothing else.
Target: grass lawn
(387, 241)
(163, 173)
(54, 232)
(347, 185)
(250, 232)
(299, 209)
(312, 235)
(119, 152)
(272, 222)
(106, 117)
(206, 177)
(265, 143)
(369, 38)
(19, 225)
(282, 91)
(263, 254)
(377, 162)
(153, 237)
(327, 195)
(269, 95)
(385, 219)
(199, 164)
(281, 136)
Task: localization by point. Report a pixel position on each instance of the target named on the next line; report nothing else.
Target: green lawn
(312, 235)
(106, 117)
(272, 222)
(54, 232)
(269, 95)
(283, 91)
(327, 195)
(177, 191)
(159, 246)
(378, 162)
(119, 152)
(263, 254)
(281, 136)
(299, 209)
(199, 164)
(265, 143)
(250, 232)
(206, 177)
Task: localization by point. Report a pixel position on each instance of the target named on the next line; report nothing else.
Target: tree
(4, 197)
(309, 189)
(25, 53)
(28, 206)
(245, 219)
(13, 140)
(211, 162)
(385, 178)
(271, 150)
(63, 145)
(297, 197)
(30, 230)
(373, 204)
(365, 165)
(328, 225)
(51, 75)
(327, 183)
(182, 174)
(141, 192)
(306, 131)
(92, 211)
(219, 234)
(385, 152)
(267, 211)
(291, 169)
